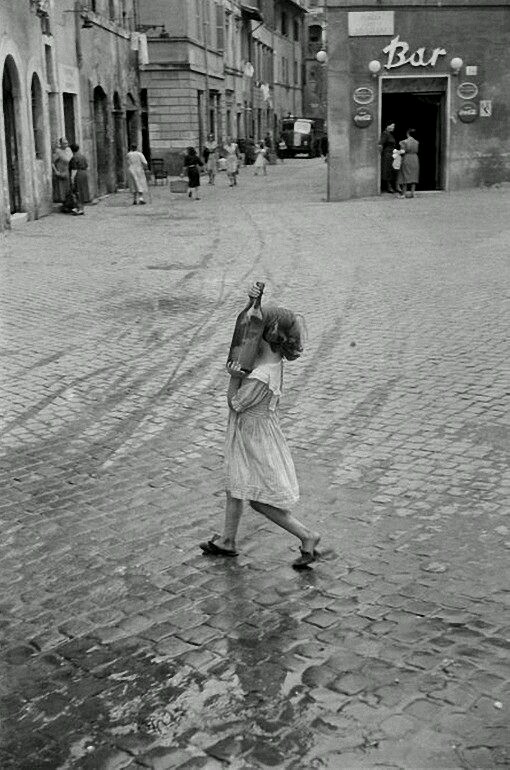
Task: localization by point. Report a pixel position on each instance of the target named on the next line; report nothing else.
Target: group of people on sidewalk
(70, 177)
(400, 166)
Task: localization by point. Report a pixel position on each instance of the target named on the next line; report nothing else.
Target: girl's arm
(233, 387)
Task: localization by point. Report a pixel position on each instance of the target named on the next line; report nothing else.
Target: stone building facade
(315, 91)
(224, 67)
(65, 72)
(443, 70)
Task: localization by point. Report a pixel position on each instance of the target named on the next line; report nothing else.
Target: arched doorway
(10, 95)
(101, 136)
(118, 125)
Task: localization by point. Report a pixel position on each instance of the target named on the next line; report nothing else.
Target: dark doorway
(11, 139)
(118, 125)
(131, 121)
(69, 118)
(101, 135)
(425, 112)
(144, 118)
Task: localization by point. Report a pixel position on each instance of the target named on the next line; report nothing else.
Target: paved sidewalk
(121, 645)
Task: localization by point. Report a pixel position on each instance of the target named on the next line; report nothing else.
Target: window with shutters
(220, 28)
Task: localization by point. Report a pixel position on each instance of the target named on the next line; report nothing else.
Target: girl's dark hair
(411, 131)
(283, 330)
(133, 147)
(74, 147)
(192, 151)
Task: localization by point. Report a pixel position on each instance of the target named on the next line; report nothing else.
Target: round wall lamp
(374, 67)
(321, 57)
(456, 64)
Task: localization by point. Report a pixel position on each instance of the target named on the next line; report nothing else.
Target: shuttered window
(220, 27)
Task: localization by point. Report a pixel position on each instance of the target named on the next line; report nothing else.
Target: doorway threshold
(19, 218)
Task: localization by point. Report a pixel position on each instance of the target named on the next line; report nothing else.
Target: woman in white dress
(232, 161)
(136, 165)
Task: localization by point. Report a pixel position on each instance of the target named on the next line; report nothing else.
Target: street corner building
(220, 67)
(440, 68)
(69, 69)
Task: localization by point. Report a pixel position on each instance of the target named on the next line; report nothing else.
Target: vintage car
(303, 136)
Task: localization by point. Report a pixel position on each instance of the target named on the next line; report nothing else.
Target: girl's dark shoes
(306, 558)
(211, 549)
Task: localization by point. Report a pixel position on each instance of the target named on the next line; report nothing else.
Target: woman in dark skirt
(78, 166)
(387, 144)
(192, 165)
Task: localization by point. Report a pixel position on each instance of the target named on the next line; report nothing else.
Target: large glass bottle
(246, 339)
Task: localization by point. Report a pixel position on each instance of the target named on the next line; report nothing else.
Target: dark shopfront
(443, 70)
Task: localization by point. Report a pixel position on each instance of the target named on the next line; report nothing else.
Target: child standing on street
(261, 159)
(258, 464)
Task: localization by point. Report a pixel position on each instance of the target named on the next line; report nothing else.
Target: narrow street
(124, 647)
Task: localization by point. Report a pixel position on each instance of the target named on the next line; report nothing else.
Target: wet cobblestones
(122, 647)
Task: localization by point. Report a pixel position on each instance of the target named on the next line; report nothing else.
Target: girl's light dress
(261, 159)
(258, 464)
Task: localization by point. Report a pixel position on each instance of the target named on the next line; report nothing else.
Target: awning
(251, 12)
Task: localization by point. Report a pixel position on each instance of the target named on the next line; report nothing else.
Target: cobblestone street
(122, 646)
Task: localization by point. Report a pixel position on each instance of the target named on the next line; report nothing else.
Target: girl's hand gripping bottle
(246, 340)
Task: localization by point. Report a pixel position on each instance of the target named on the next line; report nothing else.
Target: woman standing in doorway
(136, 165)
(410, 169)
(387, 144)
(60, 166)
(232, 160)
(78, 166)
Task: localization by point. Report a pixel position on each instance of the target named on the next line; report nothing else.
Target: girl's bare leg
(233, 512)
(285, 520)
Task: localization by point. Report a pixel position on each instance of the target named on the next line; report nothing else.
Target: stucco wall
(20, 43)
(478, 152)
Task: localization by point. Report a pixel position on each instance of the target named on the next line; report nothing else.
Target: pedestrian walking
(136, 165)
(192, 165)
(261, 159)
(78, 166)
(60, 159)
(387, 144)
(210, 155)
(258, 463)
(409, 174)
(232, 161)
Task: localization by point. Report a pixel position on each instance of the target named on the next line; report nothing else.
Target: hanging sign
(398, 55)
(363, 95)
(468, 112)
(362, 118)
(467, 90)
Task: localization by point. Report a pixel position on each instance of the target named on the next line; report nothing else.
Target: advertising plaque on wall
(362, 118)
(467, 90)
(468, 112)
(365, 23)
(363, 95)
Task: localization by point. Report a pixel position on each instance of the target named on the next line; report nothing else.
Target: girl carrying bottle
(258, 464)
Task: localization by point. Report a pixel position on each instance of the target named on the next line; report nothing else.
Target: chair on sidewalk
(158, 170)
